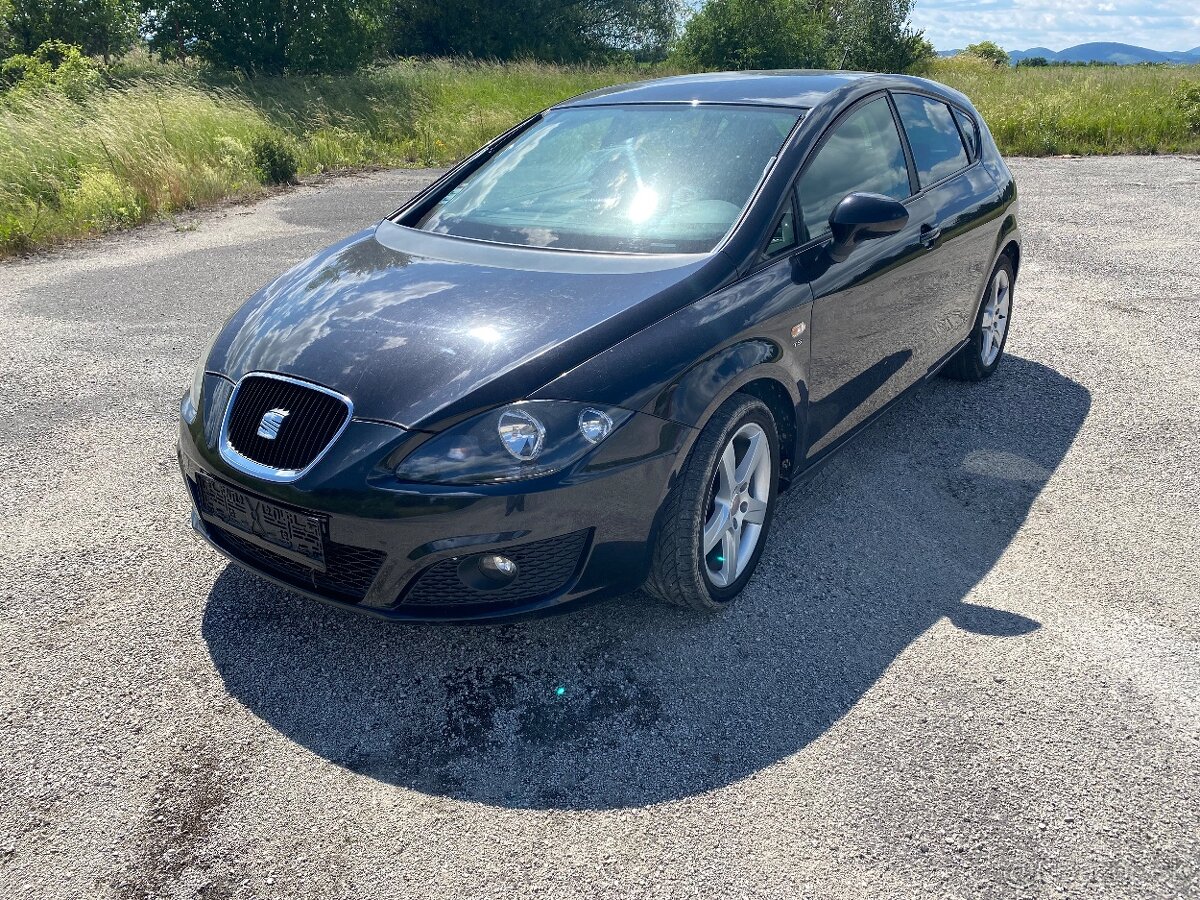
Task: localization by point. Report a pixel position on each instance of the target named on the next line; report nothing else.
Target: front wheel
(985, 345)
(715, 522)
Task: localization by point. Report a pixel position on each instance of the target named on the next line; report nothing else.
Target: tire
(681, 571)
(982, 354)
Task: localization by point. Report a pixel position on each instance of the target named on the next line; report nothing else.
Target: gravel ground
(968, 666)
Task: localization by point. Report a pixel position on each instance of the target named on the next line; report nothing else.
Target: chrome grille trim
(230, 454)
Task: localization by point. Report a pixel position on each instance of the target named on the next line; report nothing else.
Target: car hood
(421, 330)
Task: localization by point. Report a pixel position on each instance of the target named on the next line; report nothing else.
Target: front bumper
(393, 549)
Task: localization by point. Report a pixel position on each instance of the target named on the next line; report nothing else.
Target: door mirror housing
(861, 216)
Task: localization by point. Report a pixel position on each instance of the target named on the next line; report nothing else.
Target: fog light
(499, 567)
(487, 572)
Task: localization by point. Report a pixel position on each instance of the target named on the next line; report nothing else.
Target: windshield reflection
(662, 179)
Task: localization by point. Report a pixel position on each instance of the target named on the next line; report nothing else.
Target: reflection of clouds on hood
(351, 301)
(370, 304)
(312, 301)
(405, 335)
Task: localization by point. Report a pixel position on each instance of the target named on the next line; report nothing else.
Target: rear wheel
(715, 522)
(980, 357)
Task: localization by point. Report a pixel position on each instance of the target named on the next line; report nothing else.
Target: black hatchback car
(591, 356)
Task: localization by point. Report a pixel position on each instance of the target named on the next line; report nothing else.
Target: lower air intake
(349, 571)
(544, 568)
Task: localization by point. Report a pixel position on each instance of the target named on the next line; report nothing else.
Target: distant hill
(1045, 52)
(1102, 51)
(1109, 52)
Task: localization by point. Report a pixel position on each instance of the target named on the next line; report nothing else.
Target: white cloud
(1021, 24)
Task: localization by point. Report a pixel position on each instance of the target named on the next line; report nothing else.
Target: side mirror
(861, 216)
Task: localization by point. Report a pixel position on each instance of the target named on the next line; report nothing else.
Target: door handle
(930, 235)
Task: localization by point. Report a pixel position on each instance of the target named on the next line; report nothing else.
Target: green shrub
(54, 66)
(755, 34)
(235, 157)
(14, 235)
(1187, 99)
(988, 50)
(23, 70)
(104, 28)
(274, 159)
(870, 35)
(267, 37)
(102, 201)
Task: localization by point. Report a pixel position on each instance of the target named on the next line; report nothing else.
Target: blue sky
(1020, 24)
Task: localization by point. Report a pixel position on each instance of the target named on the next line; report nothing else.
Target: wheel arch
(1012, 250)
(750, 367)
(1008, 242)
(783, 410)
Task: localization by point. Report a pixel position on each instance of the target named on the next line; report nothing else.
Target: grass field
(154, 140)
(1086, 110)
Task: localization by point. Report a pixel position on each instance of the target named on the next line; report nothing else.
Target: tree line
(273, 37)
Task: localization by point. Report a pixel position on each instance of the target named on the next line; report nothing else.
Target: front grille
(349, 571)
(543, 569)
(313, 419)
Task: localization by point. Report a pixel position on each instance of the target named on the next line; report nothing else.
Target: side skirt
(937, 366)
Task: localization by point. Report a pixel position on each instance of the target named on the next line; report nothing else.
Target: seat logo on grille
(271, 422)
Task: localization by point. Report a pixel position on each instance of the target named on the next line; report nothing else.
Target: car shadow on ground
(627, 703)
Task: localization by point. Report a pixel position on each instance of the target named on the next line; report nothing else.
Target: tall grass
(120, 157)
(157, 139)
(1045, 111)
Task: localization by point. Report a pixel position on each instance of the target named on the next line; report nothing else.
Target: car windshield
(629, 179)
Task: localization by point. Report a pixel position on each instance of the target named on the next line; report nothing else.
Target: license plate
(292, 534)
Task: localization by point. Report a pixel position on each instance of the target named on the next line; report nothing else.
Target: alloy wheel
(739, 495)
(995, 317)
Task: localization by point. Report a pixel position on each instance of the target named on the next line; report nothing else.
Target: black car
(590, 357)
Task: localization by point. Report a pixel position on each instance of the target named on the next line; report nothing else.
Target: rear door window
(936, 144)
(862, 153)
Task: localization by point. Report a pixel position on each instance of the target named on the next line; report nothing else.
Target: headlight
(521, 434)
(595, 425)
(522, 440)
(191, 400)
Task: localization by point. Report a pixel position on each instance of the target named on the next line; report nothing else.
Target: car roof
(799, 88)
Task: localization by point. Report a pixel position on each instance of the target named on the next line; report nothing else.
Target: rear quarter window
(970, 133)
